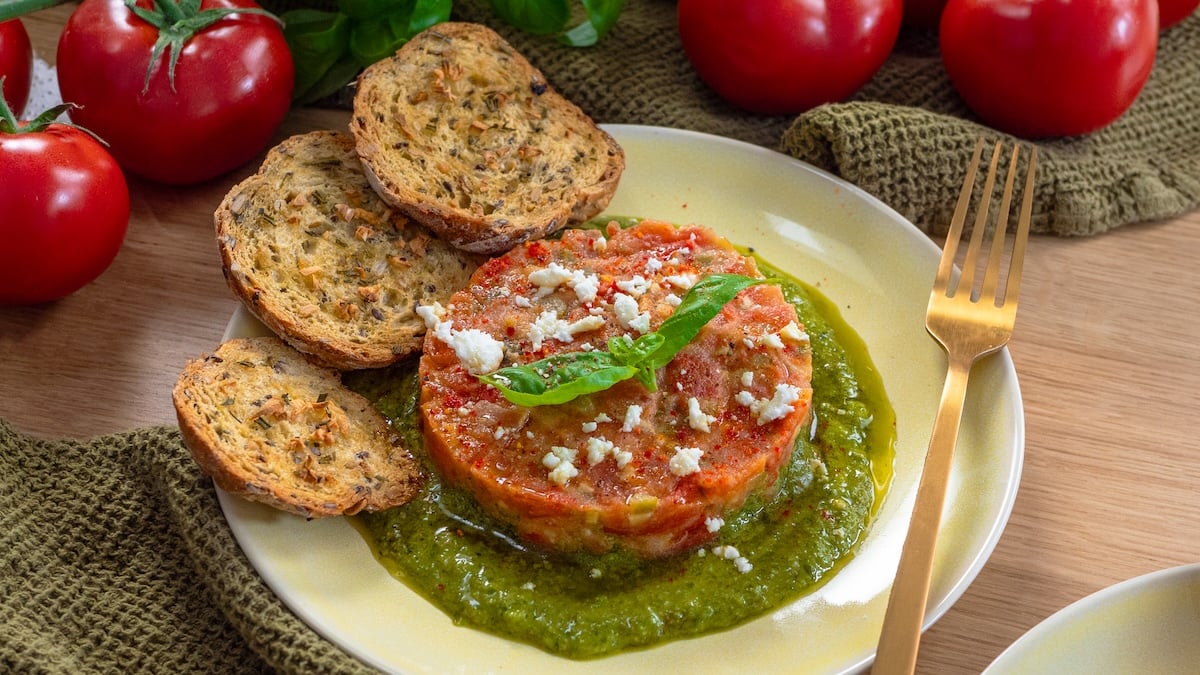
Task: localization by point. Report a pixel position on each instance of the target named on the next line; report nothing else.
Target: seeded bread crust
(464, 135)
(318, 257)
(270, 426)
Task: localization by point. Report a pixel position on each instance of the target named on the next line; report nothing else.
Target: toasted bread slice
(268, 425)
(463, 134)
(313, 252)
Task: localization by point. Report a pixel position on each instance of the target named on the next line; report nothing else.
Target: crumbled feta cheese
(714, 523)
(680, 256)
(748, 342)
(633, 417)
(673, 300)
(653, 265)
(771, 340)
(431, 314)
(479, 352)
(560, 461)
(522, 301)
(697, 418)
(586, 285)
(599, 244)
(778, 406)
(794, 333)
(598, 449)
(681, 281)
(745, 398)
(548, 326)
(499, 433)
(588, 427)
(725, 551)
(637, 286)
(602, 417)
(685, 461)
(549, 278)
(747, 378)
(626, 309)
(623, 457)
(730, 553)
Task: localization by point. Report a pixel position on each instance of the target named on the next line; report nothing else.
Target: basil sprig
(564, 377)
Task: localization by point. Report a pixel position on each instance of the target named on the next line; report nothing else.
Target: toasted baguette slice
(462, 133)
(312, 251)
(268, 425)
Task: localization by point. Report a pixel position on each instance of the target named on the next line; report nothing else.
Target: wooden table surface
(1105, 350)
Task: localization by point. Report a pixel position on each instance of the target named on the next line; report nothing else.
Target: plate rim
(1091, 603)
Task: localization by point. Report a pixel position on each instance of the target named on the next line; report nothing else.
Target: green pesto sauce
(584, 606)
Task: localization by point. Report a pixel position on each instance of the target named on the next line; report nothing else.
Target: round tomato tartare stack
(654, 472)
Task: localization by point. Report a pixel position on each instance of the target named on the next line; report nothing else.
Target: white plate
(1149, 624)
(878, 269)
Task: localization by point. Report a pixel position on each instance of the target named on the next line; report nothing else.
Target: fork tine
(946, 266)
(967, 277)
(1018, 256)
(991, 276)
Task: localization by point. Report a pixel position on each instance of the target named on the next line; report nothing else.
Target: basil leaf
(630, 351)
(540, 17)
(702, 302)
(567, 376)
(601, 15)
(559, 378)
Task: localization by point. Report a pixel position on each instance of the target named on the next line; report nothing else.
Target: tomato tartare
(654, 472)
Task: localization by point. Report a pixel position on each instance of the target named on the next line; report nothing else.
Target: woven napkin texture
(115, 558)
(906, 137)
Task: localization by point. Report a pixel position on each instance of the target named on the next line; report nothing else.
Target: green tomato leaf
(318, 41)
(601, 15)
(370, 9)
(540, 17)
(564, 377)
(421, 15)
(334, 79)
(372, 40)
(702, 302)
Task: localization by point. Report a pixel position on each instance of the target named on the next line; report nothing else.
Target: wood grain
(1105, 349)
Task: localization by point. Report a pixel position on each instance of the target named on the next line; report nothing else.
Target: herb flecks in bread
(268, 425)
(318, 257)
(463, 134)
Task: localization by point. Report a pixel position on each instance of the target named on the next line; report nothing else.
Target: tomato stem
(177, 22)
(11, 9)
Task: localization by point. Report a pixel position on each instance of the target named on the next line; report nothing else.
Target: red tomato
(786, 56)
(232, 89)
(16, 63)
(65, 208)
(1171, 12)
(1039, 68)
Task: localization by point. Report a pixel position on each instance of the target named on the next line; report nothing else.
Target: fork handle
(905, 614)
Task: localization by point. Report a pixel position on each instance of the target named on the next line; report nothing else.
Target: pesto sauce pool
(584, 606)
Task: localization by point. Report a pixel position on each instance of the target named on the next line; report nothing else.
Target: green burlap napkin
(906, 137)
(115, 558)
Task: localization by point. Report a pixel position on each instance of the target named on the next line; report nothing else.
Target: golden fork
(969, 324)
